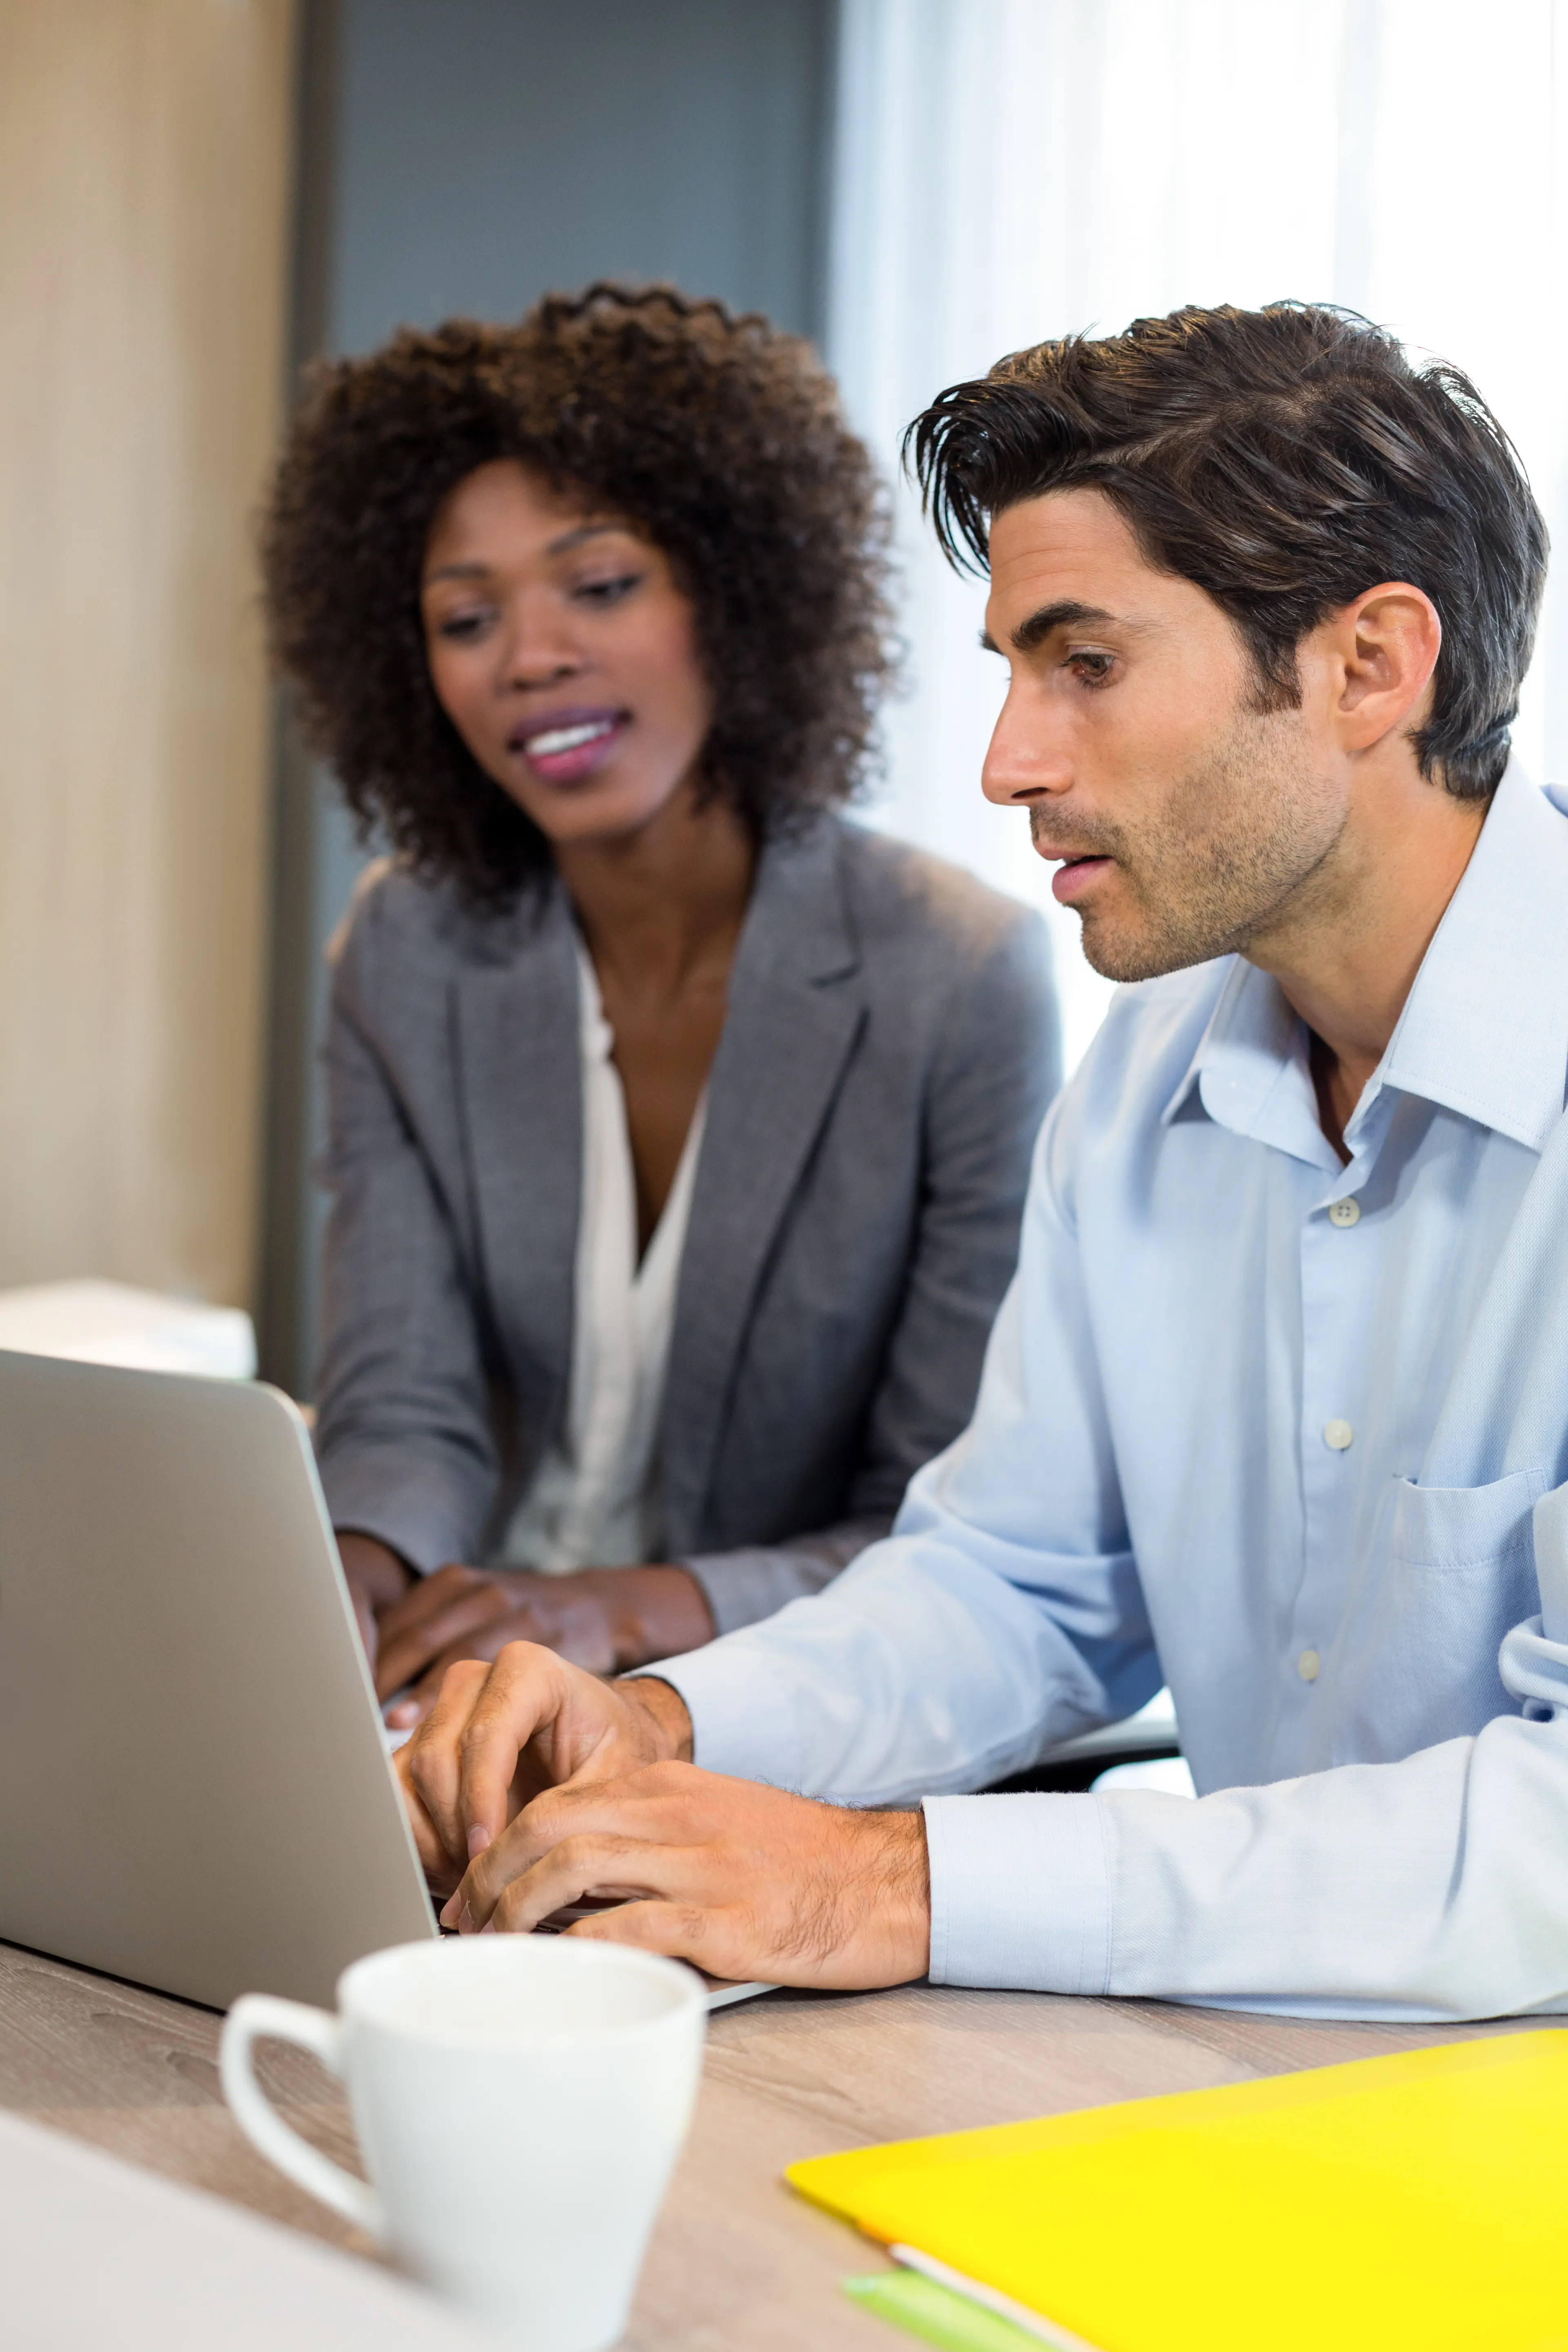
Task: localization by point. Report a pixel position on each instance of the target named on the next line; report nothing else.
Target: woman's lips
(571, 745)
(1073, 878)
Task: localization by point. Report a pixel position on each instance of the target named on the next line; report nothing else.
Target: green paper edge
(937, 2315)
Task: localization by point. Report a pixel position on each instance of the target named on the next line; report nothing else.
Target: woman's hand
(604, 1620)
(498, 1735)
(376, 1579)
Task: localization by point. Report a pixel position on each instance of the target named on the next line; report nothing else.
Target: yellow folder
(1419, 2200)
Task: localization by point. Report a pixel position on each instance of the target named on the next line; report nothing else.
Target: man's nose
(1023, 762)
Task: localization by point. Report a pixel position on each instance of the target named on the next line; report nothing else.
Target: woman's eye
(1093, 669)
(607, 592)
(461, 628)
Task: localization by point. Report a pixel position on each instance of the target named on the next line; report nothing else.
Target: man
(1284, 1370)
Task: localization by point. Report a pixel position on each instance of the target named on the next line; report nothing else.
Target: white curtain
(1011, 170)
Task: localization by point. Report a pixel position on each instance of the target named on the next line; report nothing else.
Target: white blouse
(594, 1499)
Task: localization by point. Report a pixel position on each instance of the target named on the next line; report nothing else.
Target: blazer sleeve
(404, 1434)
(996, 1066)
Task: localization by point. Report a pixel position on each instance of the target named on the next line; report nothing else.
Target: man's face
(1189, 822)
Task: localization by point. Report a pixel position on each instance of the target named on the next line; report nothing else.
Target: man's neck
(1347, 959)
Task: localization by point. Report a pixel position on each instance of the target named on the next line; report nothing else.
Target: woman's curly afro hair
(718, 436)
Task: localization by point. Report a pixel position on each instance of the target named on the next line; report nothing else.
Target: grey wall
(468, 156)
(492, 149)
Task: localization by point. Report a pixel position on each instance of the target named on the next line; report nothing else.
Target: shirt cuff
(1020, 1893)
(741, 1719)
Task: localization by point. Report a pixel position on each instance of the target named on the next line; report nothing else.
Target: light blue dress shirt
(1271, 1429)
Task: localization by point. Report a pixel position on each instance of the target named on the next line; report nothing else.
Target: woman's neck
(663, 907)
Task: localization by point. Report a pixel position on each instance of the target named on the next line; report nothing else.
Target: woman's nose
(539, 650)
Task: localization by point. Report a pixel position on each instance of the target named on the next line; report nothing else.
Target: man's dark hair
(720, 436)
(1284, 460)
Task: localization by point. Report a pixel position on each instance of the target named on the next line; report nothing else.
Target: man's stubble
(1235, 848)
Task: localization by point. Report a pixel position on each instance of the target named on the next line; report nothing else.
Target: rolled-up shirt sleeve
(954, 1651)
(1428, 1888)
(1007, 1613)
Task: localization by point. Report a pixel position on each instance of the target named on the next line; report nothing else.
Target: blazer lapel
(518, 1085)
(794, 1015)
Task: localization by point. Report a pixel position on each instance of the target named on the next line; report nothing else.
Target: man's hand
(741, 1880)
(603, 1619)
(498, 1736)
(534, 1786)
(377, 1580)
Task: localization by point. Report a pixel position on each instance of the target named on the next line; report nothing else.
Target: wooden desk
(738, 2264)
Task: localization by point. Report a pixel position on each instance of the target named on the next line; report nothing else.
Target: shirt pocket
(1465, 1526)
(1420, 1658)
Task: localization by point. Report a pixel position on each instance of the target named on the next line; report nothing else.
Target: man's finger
(709, 1937)
(661, 1807)
(431, 1761)
(524, 1691)
(438, 1866)
(623, 1868)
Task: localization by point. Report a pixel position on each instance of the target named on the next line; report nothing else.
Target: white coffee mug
(520, 2101)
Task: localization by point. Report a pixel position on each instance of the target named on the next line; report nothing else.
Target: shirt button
(1339, 1434)
(1307, 1666)
(1345, 1213)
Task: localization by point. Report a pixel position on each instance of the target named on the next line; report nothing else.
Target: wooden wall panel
(144, 175)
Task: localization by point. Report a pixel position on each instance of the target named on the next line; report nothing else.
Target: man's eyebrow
(1031, 634)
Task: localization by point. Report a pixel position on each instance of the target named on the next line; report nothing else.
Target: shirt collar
(1484, 1030)
(1251, 1069)
(1485, 1027)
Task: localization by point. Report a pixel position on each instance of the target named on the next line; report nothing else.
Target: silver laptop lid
(194, 1791)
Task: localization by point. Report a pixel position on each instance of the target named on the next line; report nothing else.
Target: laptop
(195, 1788)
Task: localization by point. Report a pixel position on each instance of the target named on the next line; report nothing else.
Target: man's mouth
(570, 744)
(1076, 874)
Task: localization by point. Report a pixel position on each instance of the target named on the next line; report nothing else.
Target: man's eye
(1094, 669)
(607, 592)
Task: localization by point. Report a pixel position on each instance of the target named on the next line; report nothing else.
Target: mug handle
(258, 2015)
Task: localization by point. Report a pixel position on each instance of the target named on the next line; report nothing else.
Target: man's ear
(1384, 648)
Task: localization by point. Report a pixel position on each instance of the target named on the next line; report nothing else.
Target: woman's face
(563, 653)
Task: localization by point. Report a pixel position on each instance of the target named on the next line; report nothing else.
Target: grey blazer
(890, 1048)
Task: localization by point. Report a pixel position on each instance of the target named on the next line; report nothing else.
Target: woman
(678, 1129)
